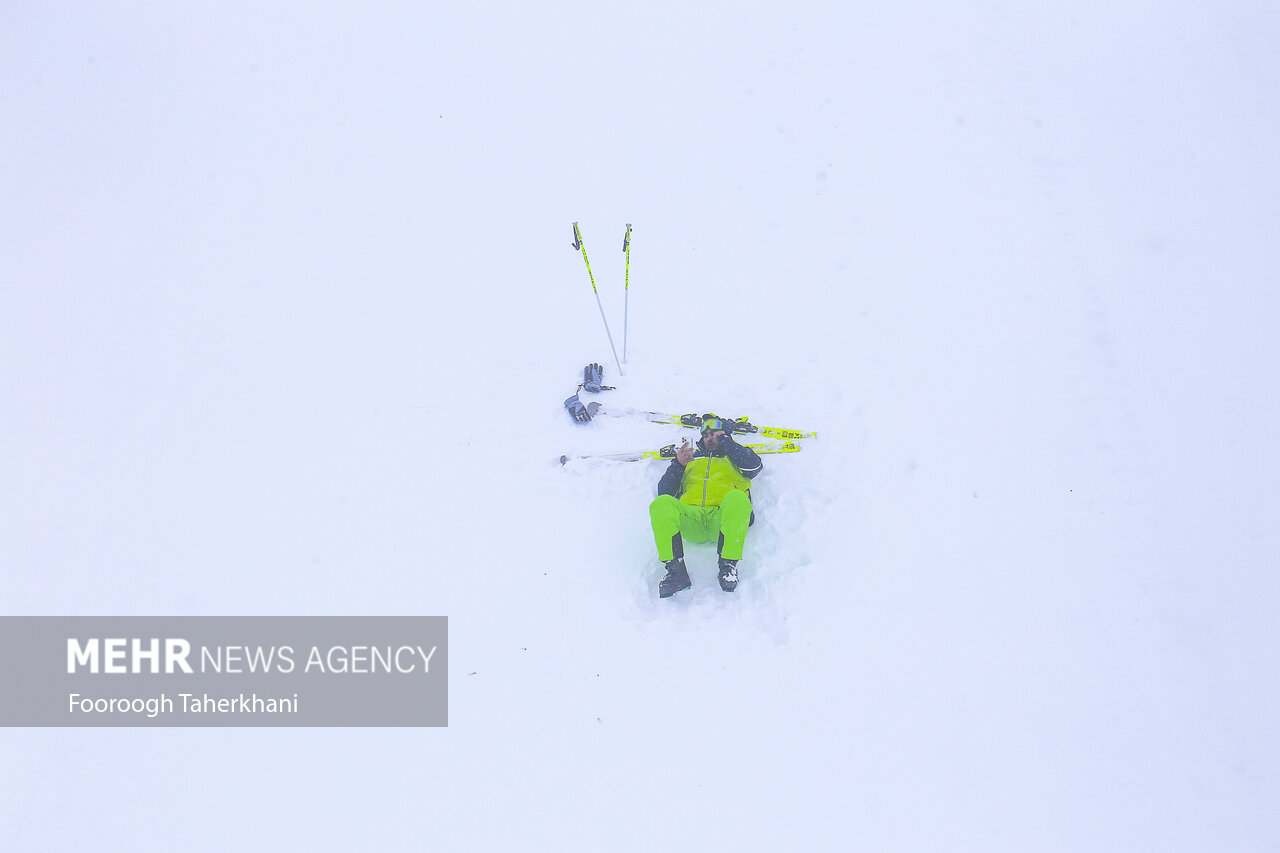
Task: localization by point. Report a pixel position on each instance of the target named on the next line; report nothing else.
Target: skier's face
(711, 438)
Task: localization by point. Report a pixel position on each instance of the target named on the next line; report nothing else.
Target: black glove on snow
(592, 378)
(580, 413)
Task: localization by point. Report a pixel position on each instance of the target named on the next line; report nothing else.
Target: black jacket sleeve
(670, 482)
(744, 458)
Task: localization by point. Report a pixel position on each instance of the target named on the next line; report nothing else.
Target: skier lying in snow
(710, 497)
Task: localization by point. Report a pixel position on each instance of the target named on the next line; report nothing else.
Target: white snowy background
(288, 310)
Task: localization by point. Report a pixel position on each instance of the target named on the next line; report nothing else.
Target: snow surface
(288, 308)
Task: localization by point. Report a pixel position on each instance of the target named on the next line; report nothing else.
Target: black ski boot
(675, 580)
(728, 574)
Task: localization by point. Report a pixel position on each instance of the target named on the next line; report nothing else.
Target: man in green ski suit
(704, 495)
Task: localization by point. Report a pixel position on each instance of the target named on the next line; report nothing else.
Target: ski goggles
(710, 423)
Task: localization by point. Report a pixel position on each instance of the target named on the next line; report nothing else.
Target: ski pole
(579, 246)
(626, 290)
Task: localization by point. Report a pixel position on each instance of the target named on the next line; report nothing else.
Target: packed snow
(289, 309)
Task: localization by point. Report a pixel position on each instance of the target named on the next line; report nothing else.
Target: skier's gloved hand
(725, 444)
(592, 378)
(580, 413)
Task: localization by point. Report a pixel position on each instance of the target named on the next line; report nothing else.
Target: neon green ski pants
(701, 523)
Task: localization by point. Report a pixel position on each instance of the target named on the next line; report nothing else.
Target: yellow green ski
(740, 425)
(669, 452)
